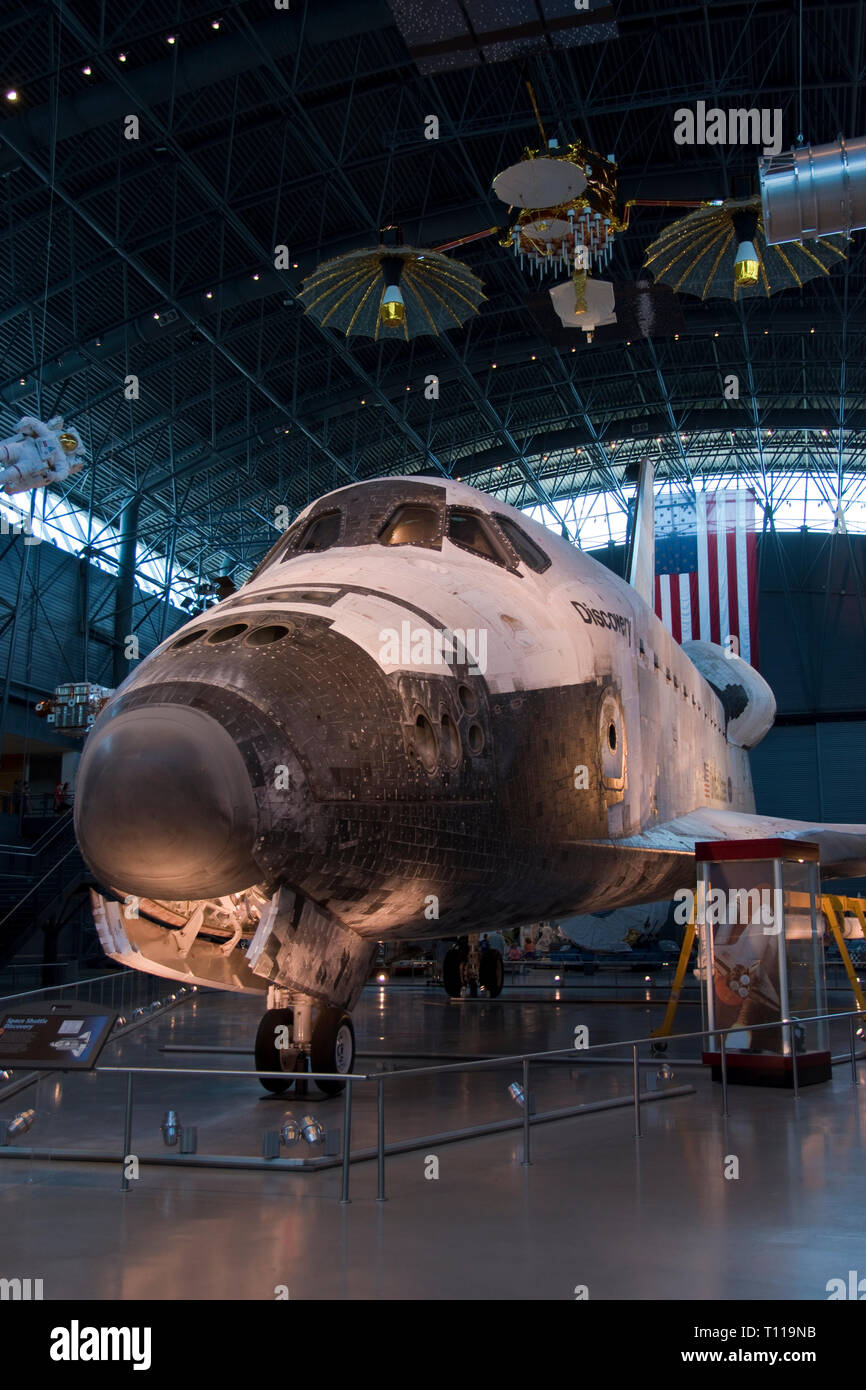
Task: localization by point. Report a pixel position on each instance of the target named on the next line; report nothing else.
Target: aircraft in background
(424, 715)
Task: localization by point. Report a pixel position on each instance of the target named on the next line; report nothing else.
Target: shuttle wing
(842, 847)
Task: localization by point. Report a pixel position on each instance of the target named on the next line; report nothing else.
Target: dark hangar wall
(50, 643)
(813, 645)
(812, 630)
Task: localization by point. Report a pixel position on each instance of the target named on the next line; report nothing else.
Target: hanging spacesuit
(38, 454)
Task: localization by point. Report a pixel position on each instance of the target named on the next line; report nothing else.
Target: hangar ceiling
(304, 126)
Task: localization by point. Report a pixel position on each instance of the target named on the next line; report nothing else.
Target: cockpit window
(412, 524)
(275, 552)
(321, 534)
(531, 554)
(469, 529)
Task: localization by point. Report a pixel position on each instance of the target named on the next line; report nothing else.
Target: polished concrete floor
(654, 1218)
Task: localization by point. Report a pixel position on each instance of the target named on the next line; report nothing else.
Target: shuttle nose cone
(164, 806)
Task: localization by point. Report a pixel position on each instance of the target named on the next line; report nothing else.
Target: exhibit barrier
(522, 1093)
(129, 993)
(119, 989)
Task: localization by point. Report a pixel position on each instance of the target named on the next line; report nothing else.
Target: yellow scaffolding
(664, 1029)
(833, 908)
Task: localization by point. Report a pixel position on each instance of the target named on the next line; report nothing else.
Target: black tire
(452, 975)
(332, 1048)
(472, 989)
(268, 1058)
(492, 972)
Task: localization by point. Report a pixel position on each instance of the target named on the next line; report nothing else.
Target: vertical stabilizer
(642, 554)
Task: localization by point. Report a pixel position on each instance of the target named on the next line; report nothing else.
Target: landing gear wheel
(491, 972)
(268, 1056)
(452, 977)
(333, 1048)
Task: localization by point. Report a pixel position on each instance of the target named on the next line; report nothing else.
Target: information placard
(62, 1036)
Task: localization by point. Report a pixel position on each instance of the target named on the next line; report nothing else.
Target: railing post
(527, 1161)
(723, 1059)
(853, 1053)
(380, 1138)
(347, 1142)
(794, 1072)
(127, 1133)
(636, 1075)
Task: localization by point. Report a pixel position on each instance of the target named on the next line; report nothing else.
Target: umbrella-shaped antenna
(392, 291)
(720, 252)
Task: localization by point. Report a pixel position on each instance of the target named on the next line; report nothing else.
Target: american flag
(707, 569)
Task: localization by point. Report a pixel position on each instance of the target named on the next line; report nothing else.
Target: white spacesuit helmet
(69, 439)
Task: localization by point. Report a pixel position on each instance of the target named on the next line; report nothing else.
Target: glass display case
(758, 916)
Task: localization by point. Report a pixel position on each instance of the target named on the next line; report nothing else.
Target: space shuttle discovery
(424, 715)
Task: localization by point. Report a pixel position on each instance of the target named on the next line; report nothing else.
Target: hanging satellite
(568, 215)
(394, 291)
(73, 708)
(582, 303)
(721, 252)
(541, 180)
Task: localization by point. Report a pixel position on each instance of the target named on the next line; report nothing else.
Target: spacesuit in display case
(759, 920)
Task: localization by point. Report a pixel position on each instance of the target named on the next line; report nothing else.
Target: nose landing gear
(273, 1050)
(333, 1048)
(301, 1037)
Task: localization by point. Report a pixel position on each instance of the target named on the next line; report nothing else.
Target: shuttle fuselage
(423, 715)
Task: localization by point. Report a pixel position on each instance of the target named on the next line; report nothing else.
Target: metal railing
(525, 1060)
(119, 989)
(39, 846)
(33, 804)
